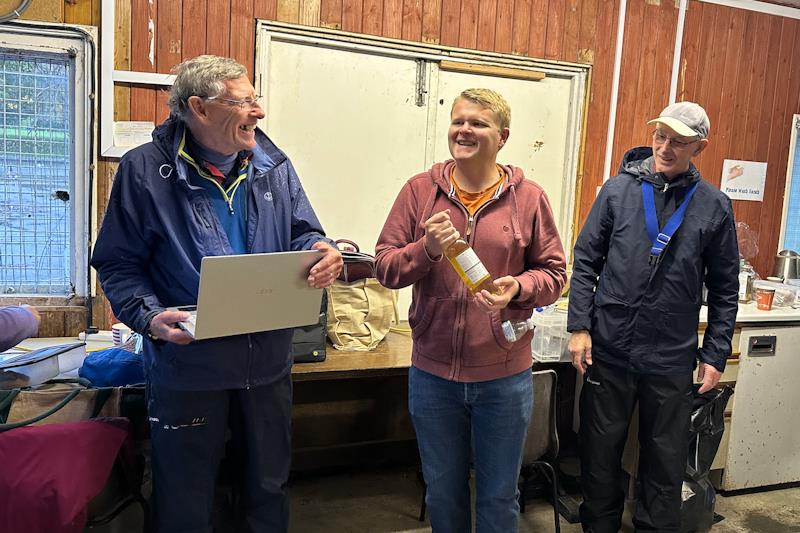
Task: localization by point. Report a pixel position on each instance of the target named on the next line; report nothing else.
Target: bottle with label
(745, 286)
(513, 330)
(469, 267)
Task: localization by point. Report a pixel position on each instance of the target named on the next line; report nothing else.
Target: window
(791, 211)
(44, 162)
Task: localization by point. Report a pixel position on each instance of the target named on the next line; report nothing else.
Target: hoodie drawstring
(515, 225)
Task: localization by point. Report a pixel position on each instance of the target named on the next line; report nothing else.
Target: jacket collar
(168, 135)
(638, 162)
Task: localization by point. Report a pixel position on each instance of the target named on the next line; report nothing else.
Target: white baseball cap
(685, 118)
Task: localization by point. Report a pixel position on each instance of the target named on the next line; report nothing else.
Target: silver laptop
(254, 292)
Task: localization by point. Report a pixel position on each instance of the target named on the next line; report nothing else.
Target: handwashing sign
(743, 180)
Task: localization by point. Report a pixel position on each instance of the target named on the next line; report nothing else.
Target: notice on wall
(743, 180)
(132, 133)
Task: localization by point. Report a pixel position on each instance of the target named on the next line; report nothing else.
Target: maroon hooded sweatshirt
(514, 233)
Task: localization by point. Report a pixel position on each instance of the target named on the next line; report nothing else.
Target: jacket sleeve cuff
(717, 363)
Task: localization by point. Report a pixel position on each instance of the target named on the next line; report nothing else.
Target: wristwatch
(149, 334)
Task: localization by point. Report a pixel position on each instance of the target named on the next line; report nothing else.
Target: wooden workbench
(352, 408)
(391, 357)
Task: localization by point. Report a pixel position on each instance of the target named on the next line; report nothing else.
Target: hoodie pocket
(484, 341)
(433, 332)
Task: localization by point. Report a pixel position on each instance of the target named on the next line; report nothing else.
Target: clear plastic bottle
(469, 267)
(515, 329)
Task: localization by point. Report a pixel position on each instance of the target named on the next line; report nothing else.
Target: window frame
(77, 43)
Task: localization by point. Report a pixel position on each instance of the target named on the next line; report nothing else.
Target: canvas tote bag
(56, 401)
(360, 314)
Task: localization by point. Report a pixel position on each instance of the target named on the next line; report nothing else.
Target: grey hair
(202, 76)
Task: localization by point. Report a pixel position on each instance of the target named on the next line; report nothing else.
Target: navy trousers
(188, 431)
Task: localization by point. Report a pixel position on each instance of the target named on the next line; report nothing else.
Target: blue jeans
(485, 422)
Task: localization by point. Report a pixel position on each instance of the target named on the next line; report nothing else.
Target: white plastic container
(550, 336)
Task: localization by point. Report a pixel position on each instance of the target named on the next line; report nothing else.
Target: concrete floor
(388, 501)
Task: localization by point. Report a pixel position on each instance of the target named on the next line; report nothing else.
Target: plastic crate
(550, 337)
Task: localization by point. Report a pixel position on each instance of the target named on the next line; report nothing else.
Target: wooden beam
(488, 70)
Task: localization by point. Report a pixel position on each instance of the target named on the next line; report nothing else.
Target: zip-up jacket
(643, 319)
(514, 233)
(156, 230)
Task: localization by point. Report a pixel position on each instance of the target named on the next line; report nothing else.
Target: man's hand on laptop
(327, 269)
(164, 326)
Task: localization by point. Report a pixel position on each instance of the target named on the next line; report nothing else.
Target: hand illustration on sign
(734, 172)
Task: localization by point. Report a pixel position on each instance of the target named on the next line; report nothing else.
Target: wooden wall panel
(268, 9)
(122, 58)
(42, 10)
(392, 20)
(555, 29)
(468, 24)
(194, 28)
(373, 18)
(78, 12)
(451, 15)
(218, 32)
(504, 28)
(242, 35)
(488, 20)
(572, 24)
(431, 20)
(521, 27)
(412, 20)
(143, 17)
(352, 13)
(599, 106)
(330, 15)
(746, 72)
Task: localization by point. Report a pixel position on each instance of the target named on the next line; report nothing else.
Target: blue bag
(114, 367)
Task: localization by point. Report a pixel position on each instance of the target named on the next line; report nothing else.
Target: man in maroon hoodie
(470, 390)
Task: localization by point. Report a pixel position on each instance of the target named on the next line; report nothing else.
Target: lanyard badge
(660, 238)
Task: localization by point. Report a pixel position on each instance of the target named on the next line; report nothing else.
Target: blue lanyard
(660, 239)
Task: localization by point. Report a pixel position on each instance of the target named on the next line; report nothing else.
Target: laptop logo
(264, 291)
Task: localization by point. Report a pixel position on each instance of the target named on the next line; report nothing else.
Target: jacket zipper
(463, 293)
(249, 360)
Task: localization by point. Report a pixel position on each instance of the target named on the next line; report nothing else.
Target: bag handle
(100, 400)
(60, 405)
(346, 241)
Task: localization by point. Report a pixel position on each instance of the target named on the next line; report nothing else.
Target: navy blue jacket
(156, 230)
(650, 325)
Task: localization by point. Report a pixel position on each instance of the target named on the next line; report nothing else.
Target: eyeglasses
(250, 103)
(660, 139)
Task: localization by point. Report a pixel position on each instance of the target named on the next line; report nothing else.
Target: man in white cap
(656, 233)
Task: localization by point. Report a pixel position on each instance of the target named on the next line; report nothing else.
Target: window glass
(36, 175)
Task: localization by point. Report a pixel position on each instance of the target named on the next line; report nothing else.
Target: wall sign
(743, 180)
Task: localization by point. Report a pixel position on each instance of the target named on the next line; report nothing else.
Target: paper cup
(120, 333)
(764, 297)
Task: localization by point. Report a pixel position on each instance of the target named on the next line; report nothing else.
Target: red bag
(357, 265)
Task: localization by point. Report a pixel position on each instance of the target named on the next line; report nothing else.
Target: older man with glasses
(210, 183)
(656, 233)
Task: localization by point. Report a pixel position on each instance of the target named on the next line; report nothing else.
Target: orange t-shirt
(474, 200)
